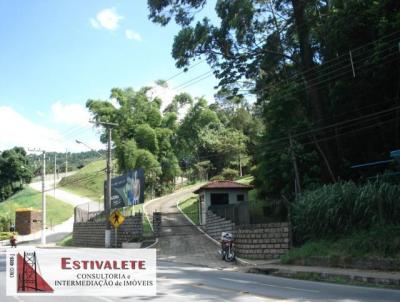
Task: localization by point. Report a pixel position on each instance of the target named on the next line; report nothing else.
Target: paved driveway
(179, 240)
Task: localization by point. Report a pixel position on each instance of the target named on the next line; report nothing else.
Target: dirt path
(179, 240)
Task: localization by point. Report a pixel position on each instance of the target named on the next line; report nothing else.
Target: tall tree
(312, 64)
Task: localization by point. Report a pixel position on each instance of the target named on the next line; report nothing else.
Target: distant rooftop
(224, 184)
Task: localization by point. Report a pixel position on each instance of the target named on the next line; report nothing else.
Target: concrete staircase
(216, 225)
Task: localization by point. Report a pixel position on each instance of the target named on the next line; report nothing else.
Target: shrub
(217, 177)
(229, 174)
(5, 224)
(338, 209)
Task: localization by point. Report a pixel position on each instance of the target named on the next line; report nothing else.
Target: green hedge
(338, 209)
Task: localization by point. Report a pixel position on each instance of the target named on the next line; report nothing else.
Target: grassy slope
(87, 181)
(191, 209)
(66, 241)
(379, 242)
(57, 210)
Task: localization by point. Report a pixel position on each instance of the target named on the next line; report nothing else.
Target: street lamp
(87, 146)
(107, 198)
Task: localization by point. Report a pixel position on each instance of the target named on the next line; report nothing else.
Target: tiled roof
(223, 184)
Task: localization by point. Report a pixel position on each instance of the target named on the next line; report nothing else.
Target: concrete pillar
(157, 223)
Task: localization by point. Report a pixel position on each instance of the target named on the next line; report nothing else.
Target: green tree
(143, 137)
(296, 54)
(15, 171)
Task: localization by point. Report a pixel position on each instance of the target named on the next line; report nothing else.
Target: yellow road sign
(116, 218)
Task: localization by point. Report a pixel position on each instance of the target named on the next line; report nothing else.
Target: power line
(183, 71)
(183, 85)
(321, 77)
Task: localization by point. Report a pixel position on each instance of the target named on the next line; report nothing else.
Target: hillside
(88, 181)
(57, 210)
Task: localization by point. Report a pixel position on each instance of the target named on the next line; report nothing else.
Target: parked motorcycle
(227, 247)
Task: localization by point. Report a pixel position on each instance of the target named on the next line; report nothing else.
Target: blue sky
(55, 55)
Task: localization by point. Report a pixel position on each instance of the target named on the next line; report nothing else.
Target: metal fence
(93, 211)
(90, 211)
(236, 213)
(251, 212)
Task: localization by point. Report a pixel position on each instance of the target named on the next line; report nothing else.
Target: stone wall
(157, 223)
(262, 241)
(216, 225)
(91, 234)
(252, 241)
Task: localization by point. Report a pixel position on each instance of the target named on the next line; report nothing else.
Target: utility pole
(66, 162)
(296, 170)
(239, 159)
(43, 239)
(55, 176)
(43, 233)
(107, 198)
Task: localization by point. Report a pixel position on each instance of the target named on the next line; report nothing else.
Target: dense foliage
(322, 72)
(15, 171)
(207, 140)
(341, 208)
(378, 242)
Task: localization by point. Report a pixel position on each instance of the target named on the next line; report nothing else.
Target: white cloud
(17, 130)
(40, 113)
(70, 114)
(107, 18)
(131, 35)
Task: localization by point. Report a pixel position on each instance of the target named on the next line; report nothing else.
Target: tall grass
(338, 209)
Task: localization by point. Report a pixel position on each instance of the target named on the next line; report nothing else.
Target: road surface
(183, 283)
(179, 240)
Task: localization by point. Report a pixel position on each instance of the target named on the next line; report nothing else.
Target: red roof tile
(223, 184)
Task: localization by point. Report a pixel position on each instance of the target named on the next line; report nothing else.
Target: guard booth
(27, 221)
(225, 198)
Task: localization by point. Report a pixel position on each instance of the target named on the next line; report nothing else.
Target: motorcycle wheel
(230, 257)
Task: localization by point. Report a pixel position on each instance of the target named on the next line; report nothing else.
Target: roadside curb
(4, 242)
(354, 277)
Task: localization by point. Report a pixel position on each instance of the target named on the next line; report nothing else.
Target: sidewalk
(324, 273)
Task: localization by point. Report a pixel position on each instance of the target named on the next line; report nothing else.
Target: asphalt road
(179, 240)
(180, 282)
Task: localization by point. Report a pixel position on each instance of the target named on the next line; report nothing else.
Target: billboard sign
(128, 189)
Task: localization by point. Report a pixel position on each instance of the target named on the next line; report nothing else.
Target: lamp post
(87, 146)
(107, 198)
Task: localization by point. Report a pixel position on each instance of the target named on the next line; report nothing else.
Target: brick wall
(262, 241)
(88, 234)
(216, 225)
(28, 221)
(91, 234)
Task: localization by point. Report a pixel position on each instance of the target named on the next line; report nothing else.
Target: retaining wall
(252, 241)
(91, 234)
(262, 241)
